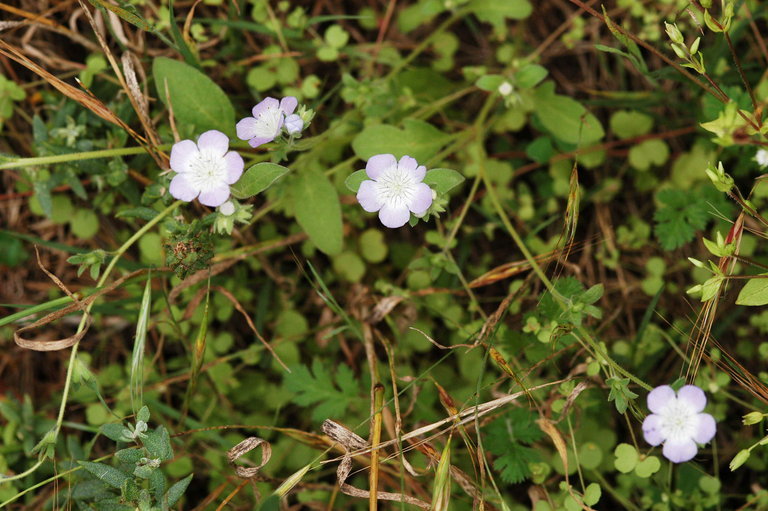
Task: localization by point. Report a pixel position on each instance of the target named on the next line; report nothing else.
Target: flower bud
(293, 124)
(739, 459)
(752, 418)
(674, 33)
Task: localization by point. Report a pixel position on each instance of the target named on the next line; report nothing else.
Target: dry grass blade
(247, 446)
(90, 102)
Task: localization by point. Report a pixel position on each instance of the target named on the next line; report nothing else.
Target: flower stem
(87, 155)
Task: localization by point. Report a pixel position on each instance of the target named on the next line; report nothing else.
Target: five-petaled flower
(395, 189)
(676, 420)
(267, 121)
(204, 170)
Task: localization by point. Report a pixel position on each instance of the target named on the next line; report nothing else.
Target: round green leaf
(349, 266)
(592, 494)
(648, 467)
(590, 455)
(195, 98)
(648, 153)
(626, 458)
(630, 123)
(372, 246)
(261, 78)
(151, 248)
(566, 118)
(336, 37)
(84, 224)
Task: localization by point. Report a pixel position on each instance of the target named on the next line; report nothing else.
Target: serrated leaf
(176, 491)
(506, 438)
(319, 389)
(195, 98)
(106, 473)
(257, 178)
(318, 210)
(754, 292)
(417, 139)
(354, 180)
(443, 180)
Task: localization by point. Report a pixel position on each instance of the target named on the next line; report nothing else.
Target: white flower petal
(421, 200)
(214, 141)
(181, 154)
(659, 397)
(378, 164)
(215, 196)
(246, 128)
(182, 189)
(235, 167)
(705, 429)
(288, 104)
(368, 196)
(693, 396)
(394, 217)
(652, 430)
(679, 452)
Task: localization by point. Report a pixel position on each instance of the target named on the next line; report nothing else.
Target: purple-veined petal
(367, 196)
(706, 428)
(378, 164)
(181, 153)
(288, 104)
(652, 430)
(214, 141)
(293, 124)
(182, 189)
(693, 396)
(257, 141)
(679, 452)
(265, 104)
(214, 197)
(394, 217)
(235, 167)
(659, 397)
(246, 128)
(421, 200)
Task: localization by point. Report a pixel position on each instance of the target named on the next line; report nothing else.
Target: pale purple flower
(267, 121)
(294, 124)
(204, 170)
(677, 421)
(395, 189)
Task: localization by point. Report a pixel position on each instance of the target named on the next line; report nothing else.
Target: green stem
(29, 311)
(73, 355)
(87, 155)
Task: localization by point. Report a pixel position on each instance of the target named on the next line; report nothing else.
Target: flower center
(208, 170)
(395, 187)
(678, 421)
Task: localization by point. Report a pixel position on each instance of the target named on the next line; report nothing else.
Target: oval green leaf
(442, 180)
(354, 179)
(257, 179)
(318, 210)
(566, 118)
(195, 98)
(418, 139)
(754, 292)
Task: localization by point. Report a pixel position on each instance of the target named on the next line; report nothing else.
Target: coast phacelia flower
(294, 124)
(677, 422)
(395, 189)
(267, 121)
(204, 170)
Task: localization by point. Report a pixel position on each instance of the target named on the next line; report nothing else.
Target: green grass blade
(137, 358)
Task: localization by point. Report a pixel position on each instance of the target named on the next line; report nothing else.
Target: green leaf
(592, 494)
(318, 211)
(506, 439)
(158, 443)
(317, 388)
(647, 467)
(683, 212)
(530, 76)
(754, 292)
(175, 492)
(630, 123)
(489, 83)
(141, 212)
(131, 455)
(443, 180)
(620, 393)
(113, 431)
(648, 153)
(195, 98)
(626, 458)
(497, 12)
(566, 118)
(106, 473)
(354, 180)
(257, 178)
(418, 139)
